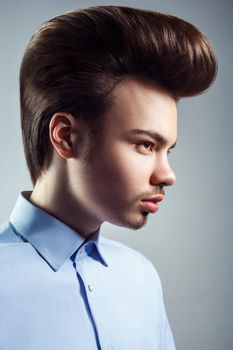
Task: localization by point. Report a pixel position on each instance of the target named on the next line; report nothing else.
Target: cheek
(126, 170)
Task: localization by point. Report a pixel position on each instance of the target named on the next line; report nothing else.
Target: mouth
(151, 204)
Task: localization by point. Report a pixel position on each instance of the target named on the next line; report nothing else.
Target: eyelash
(148, 143)
(151, 145)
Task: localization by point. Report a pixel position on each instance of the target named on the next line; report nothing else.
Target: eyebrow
(154, 135)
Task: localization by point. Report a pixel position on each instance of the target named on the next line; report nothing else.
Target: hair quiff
(73, 62)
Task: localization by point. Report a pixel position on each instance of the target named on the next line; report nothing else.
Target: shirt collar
(54, 241)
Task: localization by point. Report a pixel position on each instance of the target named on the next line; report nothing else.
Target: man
(98, 90)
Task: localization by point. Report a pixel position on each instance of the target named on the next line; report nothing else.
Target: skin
(125, 168)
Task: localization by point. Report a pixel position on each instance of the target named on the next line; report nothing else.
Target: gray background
(190, 239)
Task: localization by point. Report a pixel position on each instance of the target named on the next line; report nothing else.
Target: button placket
(81, 253)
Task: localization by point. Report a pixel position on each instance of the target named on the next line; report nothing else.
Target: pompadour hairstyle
(74, 61)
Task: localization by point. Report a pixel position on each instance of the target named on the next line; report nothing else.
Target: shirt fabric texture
(60, 291)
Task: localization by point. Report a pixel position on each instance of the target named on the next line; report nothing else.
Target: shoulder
(12, 251)
(117, 249)
(122, 255)
(8, 235)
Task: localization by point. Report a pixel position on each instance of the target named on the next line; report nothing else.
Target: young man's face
(127, 174)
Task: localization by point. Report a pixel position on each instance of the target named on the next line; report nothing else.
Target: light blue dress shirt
(60, 291)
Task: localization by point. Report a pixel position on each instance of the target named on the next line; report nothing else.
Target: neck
(55, 197)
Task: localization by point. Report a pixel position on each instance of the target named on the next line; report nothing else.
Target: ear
(63, 134)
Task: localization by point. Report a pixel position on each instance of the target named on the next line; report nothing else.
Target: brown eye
(147, 145)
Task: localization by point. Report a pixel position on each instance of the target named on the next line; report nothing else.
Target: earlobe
(62, 134)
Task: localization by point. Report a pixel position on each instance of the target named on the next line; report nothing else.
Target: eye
(145, 146)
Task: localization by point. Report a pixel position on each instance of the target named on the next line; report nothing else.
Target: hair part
(74, 61)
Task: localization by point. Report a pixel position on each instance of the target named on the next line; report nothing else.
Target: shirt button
(91, 289)
(81, 250)
(109, 348)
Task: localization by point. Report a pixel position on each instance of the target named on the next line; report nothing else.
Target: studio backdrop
(190, 240)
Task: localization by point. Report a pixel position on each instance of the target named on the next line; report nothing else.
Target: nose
(162, 174)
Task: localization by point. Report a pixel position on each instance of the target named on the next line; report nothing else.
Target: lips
(151, 204)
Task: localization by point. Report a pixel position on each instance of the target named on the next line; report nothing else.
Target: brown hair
(73, 62)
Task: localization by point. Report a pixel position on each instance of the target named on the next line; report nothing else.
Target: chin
(135, 224)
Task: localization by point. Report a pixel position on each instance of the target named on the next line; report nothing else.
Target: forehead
(137, 104)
